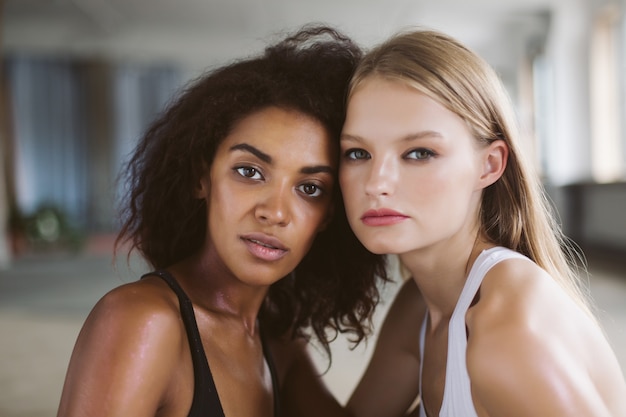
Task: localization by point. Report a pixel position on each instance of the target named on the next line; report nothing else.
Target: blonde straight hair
(514, 212)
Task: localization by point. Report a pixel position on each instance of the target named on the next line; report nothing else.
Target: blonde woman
(493, 322)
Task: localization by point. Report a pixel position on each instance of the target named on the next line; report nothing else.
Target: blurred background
(80, 80)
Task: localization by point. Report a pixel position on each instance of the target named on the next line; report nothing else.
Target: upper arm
(123, 357)
(302, 390)
(390, 383)
(525, 352)
(523, 373)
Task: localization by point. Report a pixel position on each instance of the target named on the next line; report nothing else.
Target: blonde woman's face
(410, 170)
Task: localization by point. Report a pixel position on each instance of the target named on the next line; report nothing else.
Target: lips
(382, 217)
(264, 247)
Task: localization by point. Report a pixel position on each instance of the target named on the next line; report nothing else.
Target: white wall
(567, 147)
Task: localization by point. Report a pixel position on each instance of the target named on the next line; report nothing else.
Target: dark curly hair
(334, 289)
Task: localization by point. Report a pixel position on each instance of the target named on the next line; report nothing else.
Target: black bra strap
(203, 379)
(205, 396)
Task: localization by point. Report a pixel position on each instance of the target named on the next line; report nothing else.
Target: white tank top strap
(484, 262)
(422, 341)
(457, 396)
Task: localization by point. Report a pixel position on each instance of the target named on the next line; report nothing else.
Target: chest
(239, 367)
(434, 369)
(236, 365)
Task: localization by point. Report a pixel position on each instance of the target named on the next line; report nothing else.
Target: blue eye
(356, 154)
(419, 154)
(249, 172)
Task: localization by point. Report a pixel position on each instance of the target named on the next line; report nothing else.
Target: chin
(380, 248)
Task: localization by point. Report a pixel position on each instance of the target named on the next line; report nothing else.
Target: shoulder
(518, 299)
(526, 344)
(136, 301)
(398, 341)
(286, 352)
(395, 362)
(407, 311)
(518, 289)
(130, 347)
(513, 311)
(135, 313)
(408, 303)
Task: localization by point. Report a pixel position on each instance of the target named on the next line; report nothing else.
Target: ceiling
(200, 33)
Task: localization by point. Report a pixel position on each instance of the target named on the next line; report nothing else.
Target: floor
(45, 298)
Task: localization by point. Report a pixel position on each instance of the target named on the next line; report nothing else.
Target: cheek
(309, 221)
(313, 218)
(432, 191)
(227, 196)
(224, 203)
(446, 195)
(454, 173)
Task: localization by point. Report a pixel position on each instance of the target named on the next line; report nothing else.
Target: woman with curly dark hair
(233, 201)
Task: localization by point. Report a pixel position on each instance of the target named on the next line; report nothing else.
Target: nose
(273, 206)
(382, 177)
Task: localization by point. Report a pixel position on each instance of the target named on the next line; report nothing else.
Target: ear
(494, 161)
(202, 188)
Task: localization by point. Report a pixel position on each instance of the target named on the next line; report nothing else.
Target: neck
(440, 272)
(213, 288)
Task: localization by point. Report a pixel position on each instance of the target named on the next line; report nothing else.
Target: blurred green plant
(49, 228)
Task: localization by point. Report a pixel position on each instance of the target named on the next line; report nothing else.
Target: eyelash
(246, 169)
(425, 152)
(350, 154)
(318, 193)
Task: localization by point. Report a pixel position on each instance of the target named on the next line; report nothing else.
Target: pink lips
(264, 247)
(382, 217)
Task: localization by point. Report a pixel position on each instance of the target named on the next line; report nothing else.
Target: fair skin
(412, 176)
(268, 194)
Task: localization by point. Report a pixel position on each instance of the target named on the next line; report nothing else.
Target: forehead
(386, 108)
(385, 98)
(283, 134)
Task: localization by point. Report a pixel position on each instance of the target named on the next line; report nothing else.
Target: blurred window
(608, 96)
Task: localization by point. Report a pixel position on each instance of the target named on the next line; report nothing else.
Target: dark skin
(268, 194)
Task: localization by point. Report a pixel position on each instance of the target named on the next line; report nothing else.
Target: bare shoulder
(407, 309)
(129, 347)
(518, 291)
(518, 296)
(394, 365)
(287, 351)
(138, 305)
(132, 317)
(533, 351)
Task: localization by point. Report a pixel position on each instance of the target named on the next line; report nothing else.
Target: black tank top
(206, 402)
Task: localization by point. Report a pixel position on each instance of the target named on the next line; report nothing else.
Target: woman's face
(411, 173)
(269, 193)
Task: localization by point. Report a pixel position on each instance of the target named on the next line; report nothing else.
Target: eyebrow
(268, 159)
(254, 151)
(407, 138)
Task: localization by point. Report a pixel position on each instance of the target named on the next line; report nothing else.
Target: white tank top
(457, 394)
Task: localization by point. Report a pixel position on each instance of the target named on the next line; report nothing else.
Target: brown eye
(311, 190)
(249, 172)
